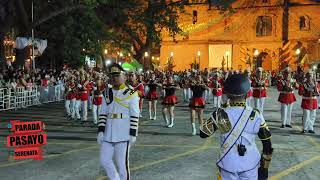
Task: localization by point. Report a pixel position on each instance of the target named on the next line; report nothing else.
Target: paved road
(159, 154)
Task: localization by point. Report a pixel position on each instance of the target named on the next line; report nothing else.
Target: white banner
(22, 42)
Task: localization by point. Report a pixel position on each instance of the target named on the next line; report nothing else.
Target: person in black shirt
(197, 102)
(170, 100)
(152, 96)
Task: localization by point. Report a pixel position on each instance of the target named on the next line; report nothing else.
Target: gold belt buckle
(115, 116)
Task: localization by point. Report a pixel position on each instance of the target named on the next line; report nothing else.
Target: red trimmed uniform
(197, 100)
(152, 94)
(309, 96)
(140, 89)
(170, 98)
(309, 104)
(286, 95)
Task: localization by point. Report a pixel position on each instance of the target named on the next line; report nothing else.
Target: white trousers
(90, 104)
(77, 109)
(120, 152)
(57, 93)
(259, 103)
(185, 94)
(224, 99)
(247, 175)
(248, 101)
(190, 94)
(309, 117)
(84, 108)
(216, 101)
(69, 106)
(286, 110)
(95, 112)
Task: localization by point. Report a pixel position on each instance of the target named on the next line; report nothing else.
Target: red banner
(27, 139)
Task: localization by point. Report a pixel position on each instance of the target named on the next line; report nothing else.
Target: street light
(152, 57)
(199, 53)
(256, 53)
(146, 54)
(106, 51)
(120, 54)
(298, 51)
(227, 53)
(171, 54)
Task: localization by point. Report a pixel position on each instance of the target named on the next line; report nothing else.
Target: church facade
(267, 33)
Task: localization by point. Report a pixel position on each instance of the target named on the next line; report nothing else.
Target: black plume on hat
(237, 84)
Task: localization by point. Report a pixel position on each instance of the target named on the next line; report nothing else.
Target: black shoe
(304, 131)
(79, 119)
(282, 126)
(289, 126)
(311, 131)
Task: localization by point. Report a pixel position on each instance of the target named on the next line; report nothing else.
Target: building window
(265, 1)
(195, 17)
(264, 26)
(304, 23)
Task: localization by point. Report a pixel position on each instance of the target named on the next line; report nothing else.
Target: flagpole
(32, 33)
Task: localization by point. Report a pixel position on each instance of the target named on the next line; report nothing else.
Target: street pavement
(160, 153)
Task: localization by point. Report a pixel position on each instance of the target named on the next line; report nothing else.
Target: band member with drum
(169, 101)
(239, 125)
(197, 103)
(309, 92)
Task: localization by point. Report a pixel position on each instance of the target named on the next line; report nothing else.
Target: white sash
(235, 133)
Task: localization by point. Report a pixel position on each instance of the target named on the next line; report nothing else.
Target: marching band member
(78, 102)
(238, 125)
(197, 103)
(169, 102)
(250, 92)
(90, 90)
(118, 125)
(138, 86)
(308, 91)
(185, 87)
(216, 86)
(84, 96)
(259, 86)
(287, 98)
(98, 90)
(70, 97)
(152, 96)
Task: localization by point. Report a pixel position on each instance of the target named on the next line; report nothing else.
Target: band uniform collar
(241, 104)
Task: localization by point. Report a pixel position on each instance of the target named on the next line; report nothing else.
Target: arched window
(264, 26)
(195, 17)
(304, 23)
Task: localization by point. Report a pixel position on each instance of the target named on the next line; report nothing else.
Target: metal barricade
(35, 95)
(2, 104)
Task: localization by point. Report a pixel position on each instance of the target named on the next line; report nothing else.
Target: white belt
(117, 116)
(309, 97)
(98, 95)
(286, 92)
(83, 91)
(259, 88)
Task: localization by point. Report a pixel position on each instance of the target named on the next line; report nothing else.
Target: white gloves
(100, 138)
(79, 86)
(95, 88)
(132, 140)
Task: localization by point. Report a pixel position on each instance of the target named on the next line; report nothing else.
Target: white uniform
(119, 122)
